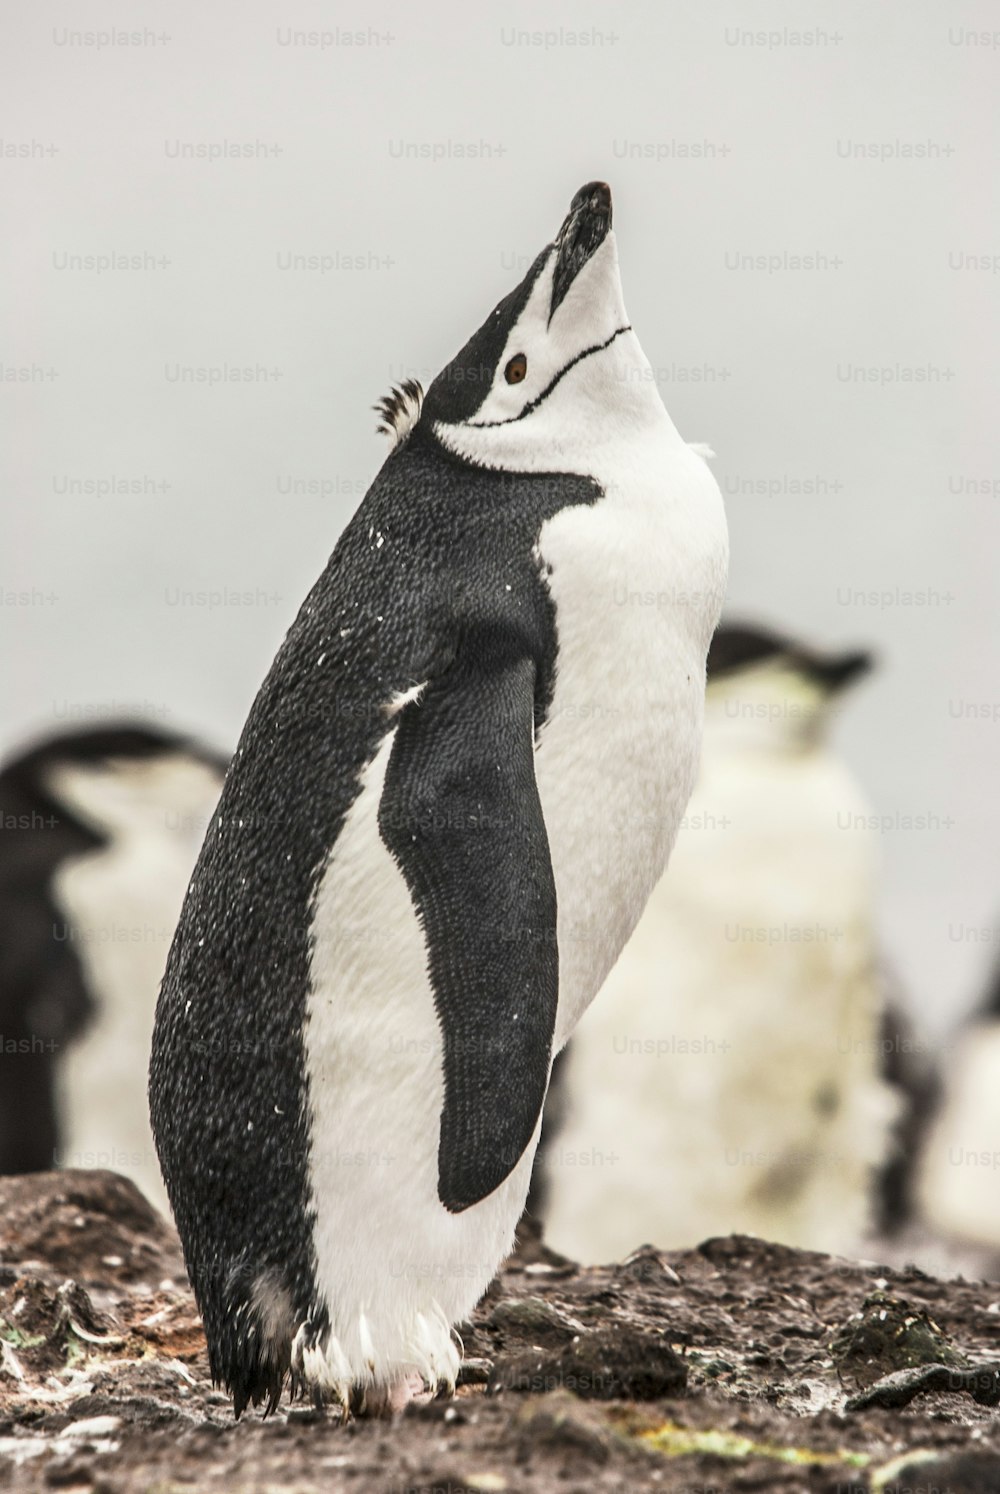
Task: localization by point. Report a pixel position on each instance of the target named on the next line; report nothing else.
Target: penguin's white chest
(637, 582)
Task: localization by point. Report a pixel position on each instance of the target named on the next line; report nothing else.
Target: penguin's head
(545, 370)
(121, 779)
(767, 688)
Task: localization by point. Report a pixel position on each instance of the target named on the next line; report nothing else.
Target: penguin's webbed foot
(321, 1370)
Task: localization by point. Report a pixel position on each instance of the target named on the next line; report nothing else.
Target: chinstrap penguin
(101, 828)
(730, 1078)
(458, 785)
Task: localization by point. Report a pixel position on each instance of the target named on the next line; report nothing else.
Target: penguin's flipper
(460, 812)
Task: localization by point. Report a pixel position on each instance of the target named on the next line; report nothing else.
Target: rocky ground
(736, 1366)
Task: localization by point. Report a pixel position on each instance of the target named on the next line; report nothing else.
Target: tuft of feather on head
(399, 410)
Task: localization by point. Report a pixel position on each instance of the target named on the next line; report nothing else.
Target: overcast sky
(807, 213)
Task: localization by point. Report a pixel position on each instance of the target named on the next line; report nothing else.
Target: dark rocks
(888, 1335)
(559, 1424)
(957, 1473)
(534, 1319)
(43, 1328)
(613, 1377)
(647, 1266)
(981, 1381)
(610, 1363)
(92, 1225)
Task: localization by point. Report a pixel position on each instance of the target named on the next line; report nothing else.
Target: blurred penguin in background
(730, 1075)
(957, 1187)
(99, 832)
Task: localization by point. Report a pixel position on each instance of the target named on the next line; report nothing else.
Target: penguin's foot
(378, 1385)
(411, 1389)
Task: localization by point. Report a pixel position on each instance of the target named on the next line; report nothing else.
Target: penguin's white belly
(394, 1266)
(637, 587)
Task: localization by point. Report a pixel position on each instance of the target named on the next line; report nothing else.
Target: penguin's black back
(437, 553)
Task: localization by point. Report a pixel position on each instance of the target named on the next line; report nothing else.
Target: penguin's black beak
(584, 230)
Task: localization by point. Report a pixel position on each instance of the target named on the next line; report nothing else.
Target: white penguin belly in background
(456, 788)
(120, 906)
(727, 1079)
(958, 1166)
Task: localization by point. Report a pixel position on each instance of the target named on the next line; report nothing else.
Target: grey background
(720, 143)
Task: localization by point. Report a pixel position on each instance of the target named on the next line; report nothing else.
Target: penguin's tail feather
(250, 1327)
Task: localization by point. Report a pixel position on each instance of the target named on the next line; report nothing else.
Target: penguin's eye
(516, 369)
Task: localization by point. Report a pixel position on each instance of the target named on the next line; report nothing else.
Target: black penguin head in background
(737, 647)
(767, 687)
(31, 803)
(46, 780)
(567, 309)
